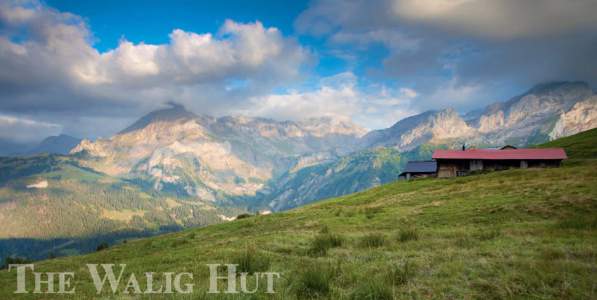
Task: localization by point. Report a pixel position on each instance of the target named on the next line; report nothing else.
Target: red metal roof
(493, 154)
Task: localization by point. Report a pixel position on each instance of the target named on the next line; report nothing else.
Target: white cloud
(338, 97)
(239, 50)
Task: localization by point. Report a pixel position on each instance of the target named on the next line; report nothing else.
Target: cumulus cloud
(239, 50)
(48, 64)
(338, 97)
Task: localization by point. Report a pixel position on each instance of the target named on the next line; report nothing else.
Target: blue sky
(151, 21)
(89, 68)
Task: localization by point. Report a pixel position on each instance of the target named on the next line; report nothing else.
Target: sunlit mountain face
(125, 119)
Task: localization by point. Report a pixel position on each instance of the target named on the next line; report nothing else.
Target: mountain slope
(528, 233)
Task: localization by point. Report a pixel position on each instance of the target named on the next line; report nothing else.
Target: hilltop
(525, 233)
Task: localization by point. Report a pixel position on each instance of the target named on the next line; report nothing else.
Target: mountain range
(202, 169)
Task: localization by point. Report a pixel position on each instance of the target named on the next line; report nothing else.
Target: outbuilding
(416, 169)
(452, 163)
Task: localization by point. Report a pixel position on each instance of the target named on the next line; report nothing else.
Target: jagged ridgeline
(174, 168)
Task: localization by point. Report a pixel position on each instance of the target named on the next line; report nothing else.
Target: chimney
(463, 147)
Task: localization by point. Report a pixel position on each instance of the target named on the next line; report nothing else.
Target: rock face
(582, 116)
(213, 158)
(545, 112)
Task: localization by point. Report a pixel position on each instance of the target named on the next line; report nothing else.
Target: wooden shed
(414, 169)
(452, 163)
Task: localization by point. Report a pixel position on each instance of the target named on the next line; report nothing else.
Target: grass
(401, 273)
(323, 242)
(251, 261)
(372, 290)
(313, 282)
(516, 234)
(372, 240)
(408, 234)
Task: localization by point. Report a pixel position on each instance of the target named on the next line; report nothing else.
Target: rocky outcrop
(582, 116)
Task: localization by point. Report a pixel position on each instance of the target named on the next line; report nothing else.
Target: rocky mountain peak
(174, 112)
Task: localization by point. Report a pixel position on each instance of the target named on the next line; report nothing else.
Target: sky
(90, 68)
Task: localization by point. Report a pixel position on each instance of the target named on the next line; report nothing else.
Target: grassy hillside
(512, 234)
(578, 146)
